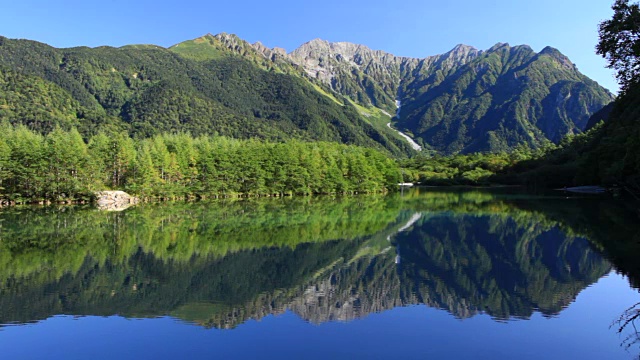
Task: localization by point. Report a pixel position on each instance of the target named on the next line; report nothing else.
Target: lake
(427, 273)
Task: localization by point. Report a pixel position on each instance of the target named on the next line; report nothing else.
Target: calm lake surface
(461, 274)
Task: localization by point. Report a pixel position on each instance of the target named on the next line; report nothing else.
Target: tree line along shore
(61, 166)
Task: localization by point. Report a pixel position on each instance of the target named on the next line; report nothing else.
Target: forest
(62, 167)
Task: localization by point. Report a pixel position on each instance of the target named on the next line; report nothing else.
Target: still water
(424, 274)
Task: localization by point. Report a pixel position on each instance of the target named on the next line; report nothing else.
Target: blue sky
(416, 28)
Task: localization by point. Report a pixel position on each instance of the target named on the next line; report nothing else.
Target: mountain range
(465, 100)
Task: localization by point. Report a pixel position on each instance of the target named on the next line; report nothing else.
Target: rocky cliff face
(344, 297)
(373, 77)
(367, 76)
(465, 100)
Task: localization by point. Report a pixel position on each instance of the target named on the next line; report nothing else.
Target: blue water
(406, 290)
(581, 332)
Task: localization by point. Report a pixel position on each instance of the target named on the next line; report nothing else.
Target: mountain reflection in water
(219, 264)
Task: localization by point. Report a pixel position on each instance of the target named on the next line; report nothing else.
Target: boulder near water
(114, 200)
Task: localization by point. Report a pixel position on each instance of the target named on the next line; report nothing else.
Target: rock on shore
(114, 200)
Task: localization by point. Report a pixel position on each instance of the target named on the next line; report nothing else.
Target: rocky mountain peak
(499, 46)
(270, 53)
(459, 55)
(280, 51)
(463, 49)
(558, 56)
(230, 39)
(317, 42)
(549, 50)
(322, 49)
(221, 41)
(554, 53)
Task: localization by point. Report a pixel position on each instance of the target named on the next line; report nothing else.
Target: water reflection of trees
(221, 264)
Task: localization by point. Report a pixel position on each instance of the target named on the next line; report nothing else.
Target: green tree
(67, 158)
(146, 177)
(620, 42)
(115, 156)
(27, 163)
(5, 157)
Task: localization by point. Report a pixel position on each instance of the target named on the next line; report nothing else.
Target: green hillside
(147, 90)
(505, 97)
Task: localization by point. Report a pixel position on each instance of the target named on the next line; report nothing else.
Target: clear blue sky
(416, 28)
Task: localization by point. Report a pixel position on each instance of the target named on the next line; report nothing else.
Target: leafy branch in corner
(620, 42)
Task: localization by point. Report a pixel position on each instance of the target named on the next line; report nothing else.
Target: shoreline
(95, 201)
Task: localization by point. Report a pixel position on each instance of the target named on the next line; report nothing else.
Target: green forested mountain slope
(602, 115)
(615, 153)
(609, 154)
(465, 100)
(147, 90)
(48, 102)
(504, 97)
